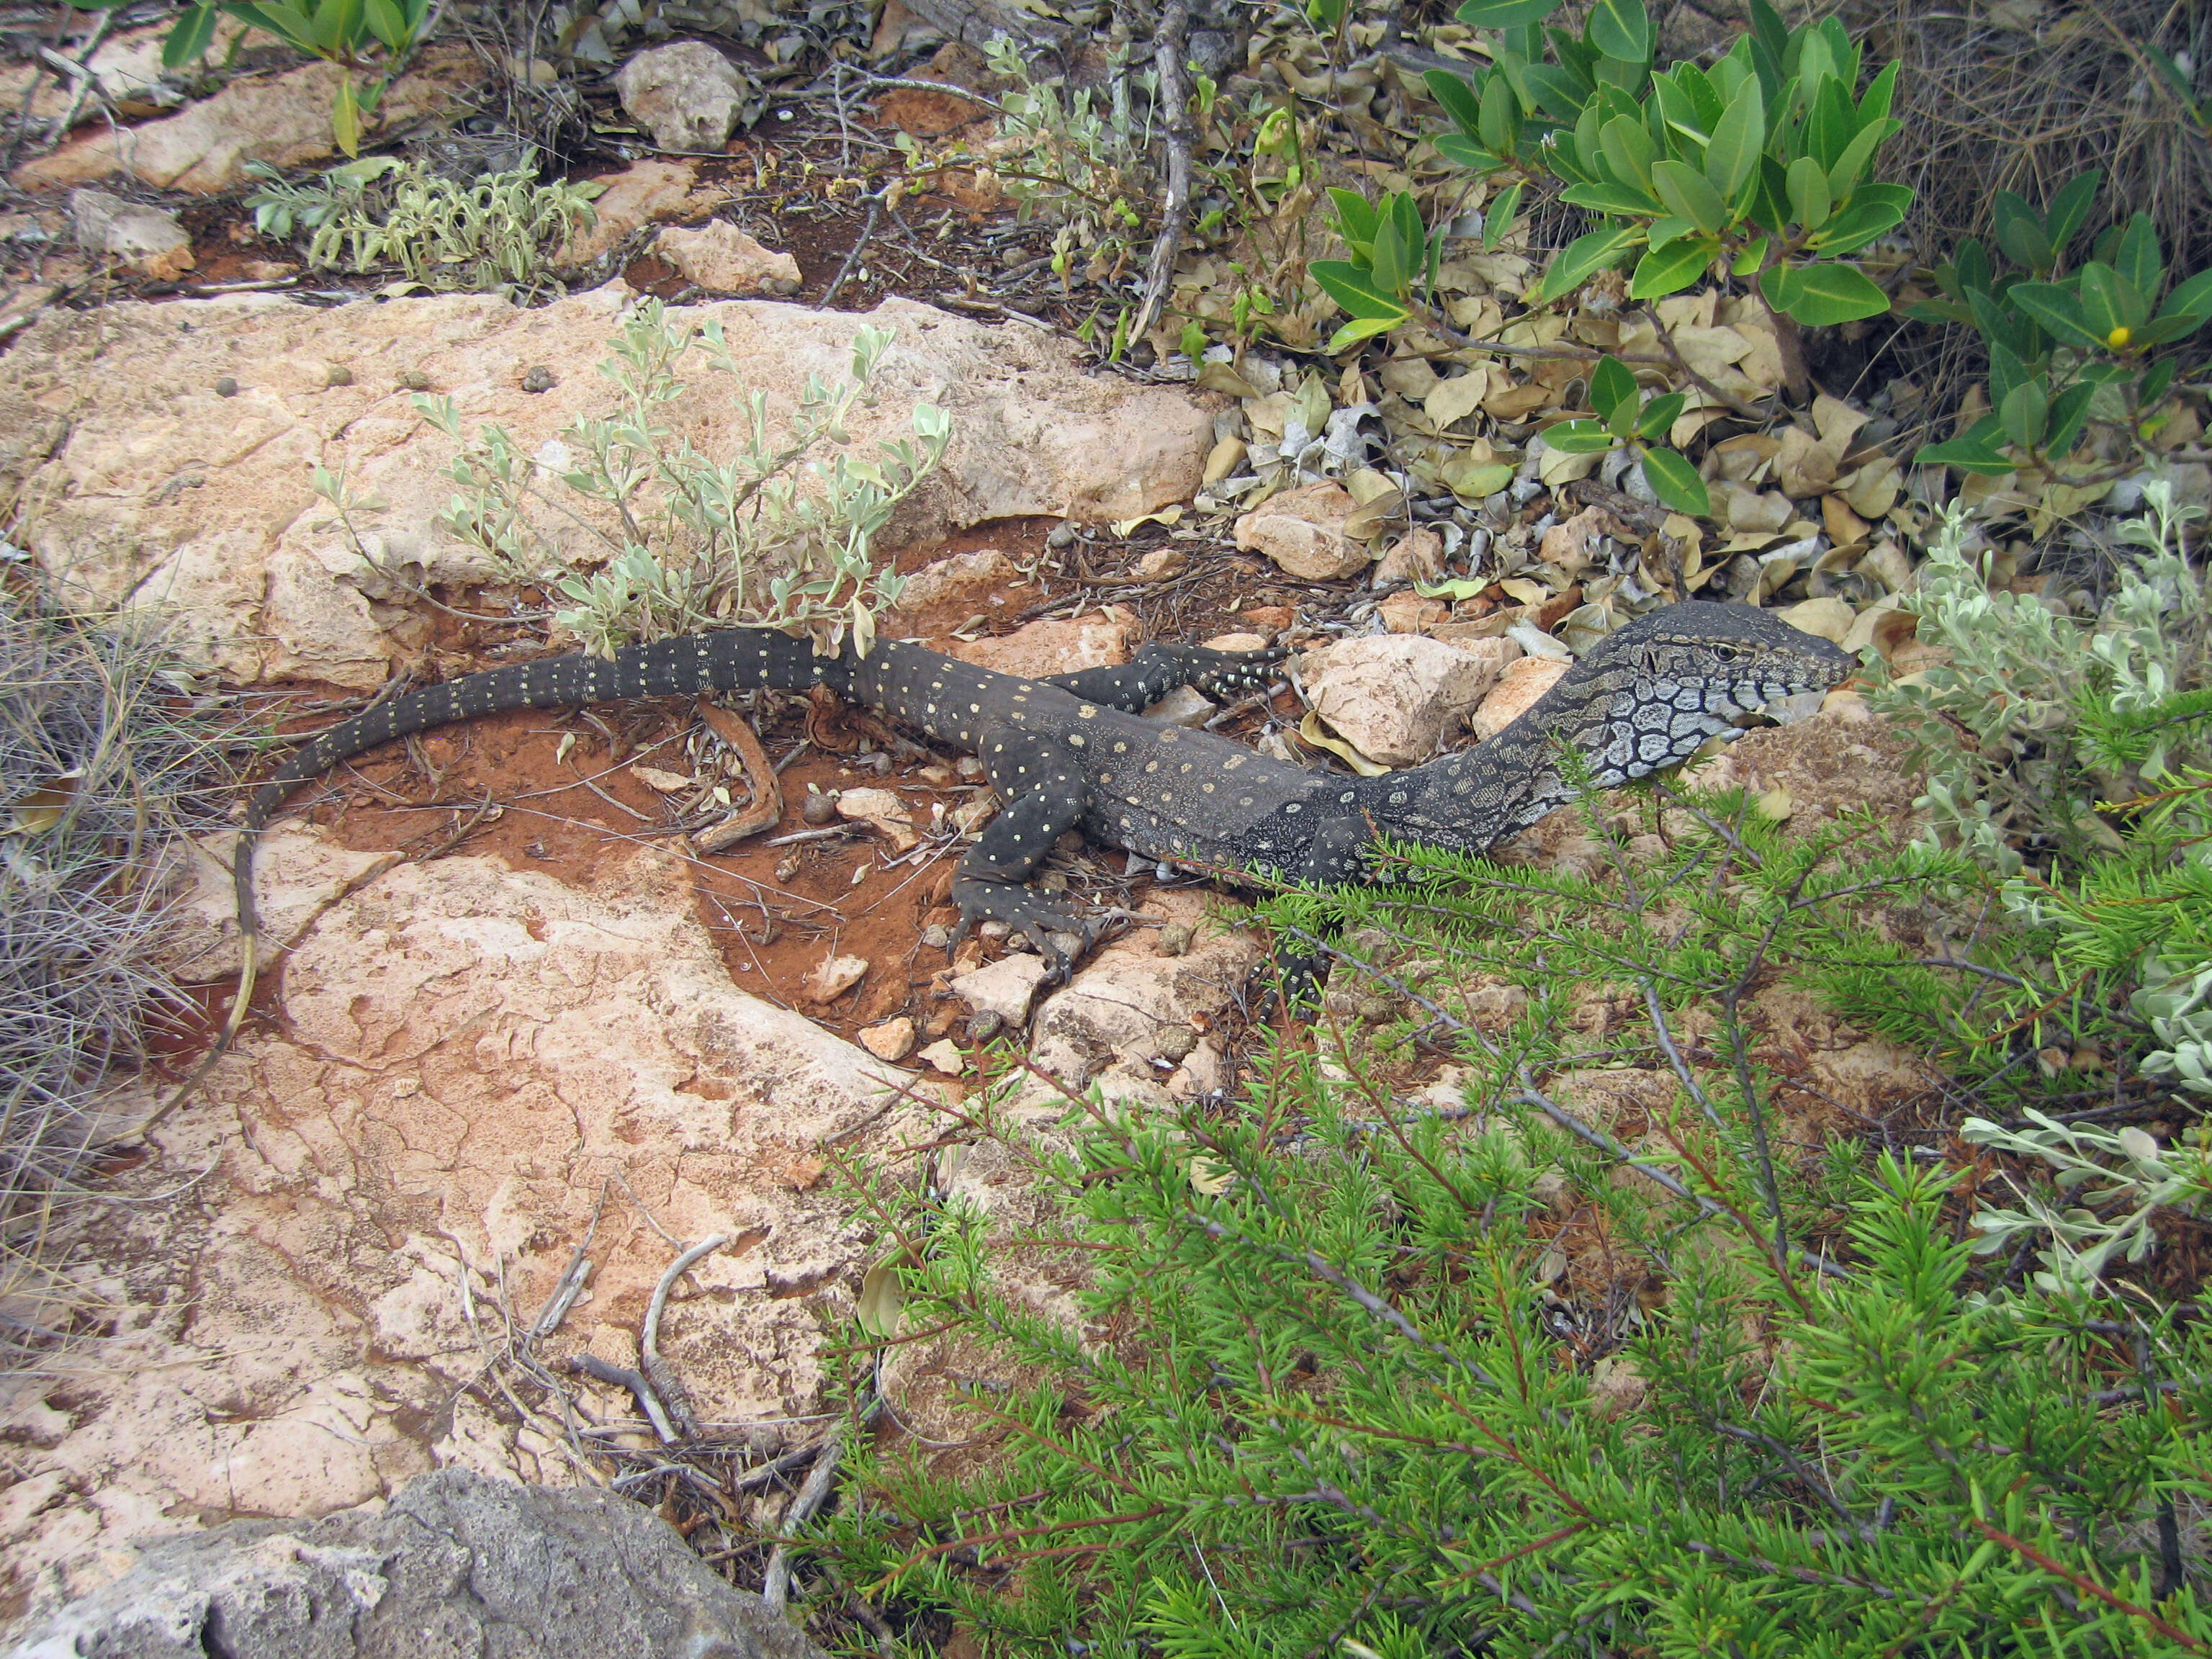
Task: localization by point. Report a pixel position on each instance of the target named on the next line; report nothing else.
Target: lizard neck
(1471, 801)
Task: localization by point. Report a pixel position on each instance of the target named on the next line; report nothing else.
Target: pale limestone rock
(155, 490)
(1050, 647)
(891, 1041)
(462, 1056)
(723, 259)
(944, 1055)
(1184, 706)
(687, 95)
(1392, 697)
(966, 578)
(883, 811)
(1416, 556)
(284, 121)
(1408, 613)
(1302, 531)
(1006, 987)
(148, 240)
(1131, 1004)
(1518, 687)
(832, 977)
(641, 193)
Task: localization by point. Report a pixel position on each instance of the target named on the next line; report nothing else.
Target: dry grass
(105, 759)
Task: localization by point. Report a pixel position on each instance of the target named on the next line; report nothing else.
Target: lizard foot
(1226, 674)
(1036, 917)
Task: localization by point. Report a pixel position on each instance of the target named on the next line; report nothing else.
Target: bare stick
(775, 1584)
(1174, 44)
(657, 1369)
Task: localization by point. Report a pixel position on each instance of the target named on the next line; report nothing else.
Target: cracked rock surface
(464, 1065)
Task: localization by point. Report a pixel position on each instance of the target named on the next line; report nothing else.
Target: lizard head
(1663, 684)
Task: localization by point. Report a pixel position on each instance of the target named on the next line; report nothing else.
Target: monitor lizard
(1071, 751)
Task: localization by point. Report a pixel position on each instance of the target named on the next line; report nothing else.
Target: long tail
(733, 659)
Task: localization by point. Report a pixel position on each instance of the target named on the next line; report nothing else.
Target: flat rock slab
(164, 453)
(464, 1065)
(456, 1563)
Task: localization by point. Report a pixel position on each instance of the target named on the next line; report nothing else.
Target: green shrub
(2069, 349)
(1370, 1373)
(1760, 167)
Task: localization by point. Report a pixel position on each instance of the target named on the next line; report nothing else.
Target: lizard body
(1071, 752)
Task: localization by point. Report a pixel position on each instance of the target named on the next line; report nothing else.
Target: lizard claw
(1037, 919)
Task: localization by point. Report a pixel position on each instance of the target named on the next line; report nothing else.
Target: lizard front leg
(1336, 858)
(1045, 795)
(1157, 669)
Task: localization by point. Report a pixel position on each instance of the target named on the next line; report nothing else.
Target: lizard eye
(1726, 653)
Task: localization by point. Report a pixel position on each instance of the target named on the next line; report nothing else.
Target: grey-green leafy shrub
(779, 532)
(382, 213)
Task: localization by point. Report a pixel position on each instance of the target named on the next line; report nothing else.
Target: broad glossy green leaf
(1497, 214)
(1971, 452)
(1850, 166)
(1505, 13)
(1687, 192)
(2021, 234)
(2025, 412)
(2006, 371)
(1500, 115)
(2191, 299)
(1880, 92)
(1609, 198)
(2057, 310)
(1622, 30)
(345, 118)
(388, 20)
(1583, 258)
(1356, 219)
(1359, 329)
(2063, 219)
(2110, 302)
(1830, 124)
(2161, 330)
(190, 39)
(1466, 153)
(1557, 93)
(1676, 483)
(1661, 413)
(2069, 410)
(1610, 384)
(1628, 152)
(1670, 269)
(1738, 137)
(1458, 98)
(1748, 258)
(1809, 201)
(2139, 259)
(1861, 222)
(1821, 295)
(1354, 291)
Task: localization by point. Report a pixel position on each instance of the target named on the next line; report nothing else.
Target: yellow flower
(2118, 338)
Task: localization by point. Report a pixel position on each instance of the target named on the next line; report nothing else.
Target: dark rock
(457, 1566)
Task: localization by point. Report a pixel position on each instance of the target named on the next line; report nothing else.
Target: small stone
(944, 1056)
(687, 95)
(337, 374)
(538, 378)
(818, 810)
(1006, 987)
(1517, 689)
(412, 380)
(1392, 697)
(937, 936)
(891, 1041)
(225, 386)
(831, 977)
(145, 239)
(1416, 556)
(723, 259)
(1160, 565)
(1302, 531)
(883, 812)
(1184, 706)
(1408, 613)
(1175, 939)
(985, 1026)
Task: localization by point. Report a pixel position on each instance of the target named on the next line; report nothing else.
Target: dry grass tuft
(105, 759)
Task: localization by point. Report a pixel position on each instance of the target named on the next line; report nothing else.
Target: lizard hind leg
(1045, 797)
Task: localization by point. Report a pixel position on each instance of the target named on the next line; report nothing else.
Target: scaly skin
(1071, 752)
